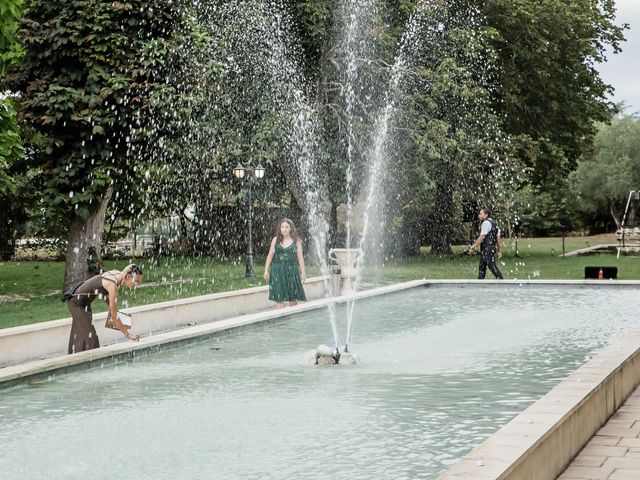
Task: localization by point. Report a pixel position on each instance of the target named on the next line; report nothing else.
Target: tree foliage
(549, 92)
(164, 98)
(11, 53)
(458, 146)
(607, 174)
(83, 88)
(229, 107)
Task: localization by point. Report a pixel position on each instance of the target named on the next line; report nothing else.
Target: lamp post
(240, 172)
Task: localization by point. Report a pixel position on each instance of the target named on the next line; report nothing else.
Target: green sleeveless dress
(284, 275)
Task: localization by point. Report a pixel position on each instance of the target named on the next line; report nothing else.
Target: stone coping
(149, 307)
(540, 442)
(569, 283)
(44, 368)
(48, 339)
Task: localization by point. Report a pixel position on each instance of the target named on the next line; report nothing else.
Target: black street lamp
(240, 172)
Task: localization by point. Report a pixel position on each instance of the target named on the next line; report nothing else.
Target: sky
(622, 71)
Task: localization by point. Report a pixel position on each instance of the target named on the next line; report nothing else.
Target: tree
(544, 95)
(551, 96)
(456, 135)
(549, 91)
(12, 211)
(84, 87)
(230, 104)
(607, 174)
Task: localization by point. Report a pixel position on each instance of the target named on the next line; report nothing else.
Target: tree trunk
(183, 224)
(84, 234)
(616, 217)
(441, 220)
(114, 219)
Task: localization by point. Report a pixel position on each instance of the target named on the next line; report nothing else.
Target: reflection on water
(441, 369)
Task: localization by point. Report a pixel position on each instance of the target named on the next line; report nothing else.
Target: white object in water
(326, 360)
(324, 355)
(347, 358)
(324, 350)
(311, 357)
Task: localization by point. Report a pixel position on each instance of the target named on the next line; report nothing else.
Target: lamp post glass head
(239, 171)
(259, 171)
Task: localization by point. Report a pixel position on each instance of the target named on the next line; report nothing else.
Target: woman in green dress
(285, 266)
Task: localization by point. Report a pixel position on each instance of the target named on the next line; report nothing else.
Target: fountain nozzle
(346, 348)
(336, 356)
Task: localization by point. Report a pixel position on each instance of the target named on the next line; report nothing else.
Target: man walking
(490, 243)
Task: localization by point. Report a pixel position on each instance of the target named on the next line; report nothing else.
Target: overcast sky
(622, 71)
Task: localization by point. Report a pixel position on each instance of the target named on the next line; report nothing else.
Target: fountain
(378, 158)
(370, 103)
(350, 259)
(323, 355)
(346, 259)
(247, 411)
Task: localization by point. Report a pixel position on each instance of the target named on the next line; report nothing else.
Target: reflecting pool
(440, 369)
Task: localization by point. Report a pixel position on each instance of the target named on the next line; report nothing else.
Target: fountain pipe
(336, 356)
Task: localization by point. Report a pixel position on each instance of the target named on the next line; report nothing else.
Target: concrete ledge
(523, 282)
(600, 248)
(46, 339)
(629, 248)
(540, 443)
(46, 368)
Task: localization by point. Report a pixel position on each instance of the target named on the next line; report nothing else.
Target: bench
(594, 272)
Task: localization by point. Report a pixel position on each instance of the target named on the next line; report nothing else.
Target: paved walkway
(614, 452)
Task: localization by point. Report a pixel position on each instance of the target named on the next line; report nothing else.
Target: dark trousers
(83, 334)
(488, 259)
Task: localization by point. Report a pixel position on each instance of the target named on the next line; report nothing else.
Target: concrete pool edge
(15, 374)
(541, 442)
(42, 340)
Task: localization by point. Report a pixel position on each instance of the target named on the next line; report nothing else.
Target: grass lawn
(30, 290)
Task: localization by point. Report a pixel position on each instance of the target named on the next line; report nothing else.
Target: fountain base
(324, 355)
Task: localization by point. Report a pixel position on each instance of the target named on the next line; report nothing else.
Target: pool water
(440, 370)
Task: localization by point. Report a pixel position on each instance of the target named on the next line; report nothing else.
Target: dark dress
(284, 275)
(83, 334)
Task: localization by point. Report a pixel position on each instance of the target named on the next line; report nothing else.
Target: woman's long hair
(294, 231)
(131, 269)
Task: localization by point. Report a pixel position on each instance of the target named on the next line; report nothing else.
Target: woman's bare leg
(279, 305)
(293, 303)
